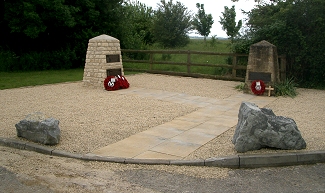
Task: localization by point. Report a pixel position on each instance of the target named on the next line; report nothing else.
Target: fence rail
(232, 76)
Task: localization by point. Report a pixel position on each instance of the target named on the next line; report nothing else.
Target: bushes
(8, 61)
(286, 88)
(31, 61)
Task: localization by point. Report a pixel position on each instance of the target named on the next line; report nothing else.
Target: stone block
(268, 160)
(37, 128)
(13, 143)
(187, 162)
(147, 161)
(258, 128)
(38, 148)
(228, 162)
(311, 157)
(61, 153)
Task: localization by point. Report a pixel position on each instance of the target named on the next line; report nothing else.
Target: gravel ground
(92, 118)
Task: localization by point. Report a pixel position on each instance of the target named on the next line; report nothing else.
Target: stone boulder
(37, 128)
(260, 127)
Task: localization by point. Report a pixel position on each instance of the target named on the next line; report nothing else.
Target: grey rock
(260, 127)
(37, 128)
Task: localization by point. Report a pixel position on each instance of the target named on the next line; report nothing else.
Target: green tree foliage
(297, 28)
(260, 1)
(54, 34)
(228, 22)
(137, 25)
(202, 22)
(172, 24)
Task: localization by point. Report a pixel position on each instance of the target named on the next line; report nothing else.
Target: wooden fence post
(234, 63)
(151, 61)
(188, 62)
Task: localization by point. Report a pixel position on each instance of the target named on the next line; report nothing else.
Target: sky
(213, 7)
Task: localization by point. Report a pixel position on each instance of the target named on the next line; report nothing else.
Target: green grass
(240, 87)
(194, 45)
(199, 45)
(20, 79)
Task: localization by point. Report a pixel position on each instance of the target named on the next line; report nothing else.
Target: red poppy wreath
(258, 87)
(115, 83)
(123, 82)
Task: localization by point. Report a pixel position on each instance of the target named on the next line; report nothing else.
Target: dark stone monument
(262, 65)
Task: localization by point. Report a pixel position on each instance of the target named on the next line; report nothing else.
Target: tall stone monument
(103, 59)
(262, 65)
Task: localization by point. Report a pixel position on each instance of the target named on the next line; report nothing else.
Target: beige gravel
(92, 118)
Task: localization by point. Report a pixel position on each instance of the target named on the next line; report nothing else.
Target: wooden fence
(231, 76)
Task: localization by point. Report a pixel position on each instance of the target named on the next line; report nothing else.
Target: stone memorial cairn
(262, 69)
(37, 128)
(103, 59)
(258, 128)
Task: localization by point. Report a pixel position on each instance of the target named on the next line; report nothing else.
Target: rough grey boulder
(35, 127)
(260, 127)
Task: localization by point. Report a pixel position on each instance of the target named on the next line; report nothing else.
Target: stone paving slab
(156, 155)
(210, 127)
(131, 146)
(176, 147)
(164, 131)
(180, 137)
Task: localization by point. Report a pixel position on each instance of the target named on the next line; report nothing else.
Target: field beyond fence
(204, 64)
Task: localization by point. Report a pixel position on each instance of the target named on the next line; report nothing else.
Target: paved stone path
(183, 135)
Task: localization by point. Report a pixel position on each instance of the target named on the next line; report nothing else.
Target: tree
(297, 28)
(228, 22)
(54, 34)
(172, 24)
(202, 22)
(137, 25)
(260, 1)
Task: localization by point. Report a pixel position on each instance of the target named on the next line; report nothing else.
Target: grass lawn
(21, 79)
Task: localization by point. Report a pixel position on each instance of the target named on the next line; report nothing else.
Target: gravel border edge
(237, 161)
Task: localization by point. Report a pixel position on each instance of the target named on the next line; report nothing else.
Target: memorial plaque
(265, 77)
(114, 72)
(112, 58)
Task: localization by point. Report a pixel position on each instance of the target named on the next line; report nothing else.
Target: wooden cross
(269, 89)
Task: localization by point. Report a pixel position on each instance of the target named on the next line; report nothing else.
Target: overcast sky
(213, 7)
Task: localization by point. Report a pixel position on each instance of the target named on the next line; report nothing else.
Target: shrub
(240, 87)
(286, 88)
(8, 61)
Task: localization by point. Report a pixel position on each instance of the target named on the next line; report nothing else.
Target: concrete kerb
(236, 161)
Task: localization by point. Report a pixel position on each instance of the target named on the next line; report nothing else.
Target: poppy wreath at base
(115, 83)
(258, 87)
(123, 82)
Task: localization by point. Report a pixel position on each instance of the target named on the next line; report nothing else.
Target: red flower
(124, 83)
(111, 83)
(258, 87)
(115, 83)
